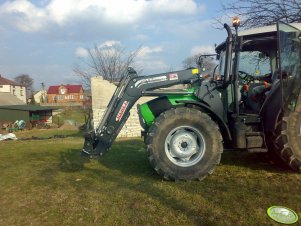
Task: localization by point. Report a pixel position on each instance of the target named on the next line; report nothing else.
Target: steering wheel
(246, 77)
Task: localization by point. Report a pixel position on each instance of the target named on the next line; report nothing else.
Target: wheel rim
(185, 146)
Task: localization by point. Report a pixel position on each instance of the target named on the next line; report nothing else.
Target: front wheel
(184, 144)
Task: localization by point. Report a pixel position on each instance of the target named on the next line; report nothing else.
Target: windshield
(254, 63)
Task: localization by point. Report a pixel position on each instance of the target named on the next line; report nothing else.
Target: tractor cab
(257, 62)
(263, 63)
(260, 69)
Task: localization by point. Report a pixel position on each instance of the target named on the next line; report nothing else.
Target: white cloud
(30, 18)
(110, 43)
(150, 60)
(107, 48)
(146, 51)
(202, 49)
(81, 52)
(24, 15)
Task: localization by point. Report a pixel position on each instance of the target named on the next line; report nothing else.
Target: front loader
(250, 102)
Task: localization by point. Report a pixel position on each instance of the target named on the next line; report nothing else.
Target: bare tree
(111, 62)
(255, 13)
(26, 81)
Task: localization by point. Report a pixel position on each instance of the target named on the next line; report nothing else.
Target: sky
(47, 38)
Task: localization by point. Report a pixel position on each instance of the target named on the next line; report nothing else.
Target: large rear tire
(184, 144)
(287, 139)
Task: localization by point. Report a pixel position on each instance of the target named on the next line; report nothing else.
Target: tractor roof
(258, 38)
(265, 29)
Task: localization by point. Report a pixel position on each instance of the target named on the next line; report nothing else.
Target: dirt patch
(3, 131)
(69, 125)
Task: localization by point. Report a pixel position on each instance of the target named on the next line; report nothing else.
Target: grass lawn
(75, 114)
(47, 182)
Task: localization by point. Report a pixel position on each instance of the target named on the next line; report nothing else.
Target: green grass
(46, 133)
(47, 182)
(75, 114)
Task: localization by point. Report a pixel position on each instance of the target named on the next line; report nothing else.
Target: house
(9, 99)
(66, 94)
(40, 96)
(8, 86)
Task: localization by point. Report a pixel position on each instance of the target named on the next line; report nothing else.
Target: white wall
(102, 92)
(18, 91)
(42, 94)
(5, 88)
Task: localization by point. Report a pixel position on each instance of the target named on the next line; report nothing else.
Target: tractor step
(257, 150)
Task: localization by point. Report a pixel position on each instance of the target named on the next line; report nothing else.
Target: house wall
(5, 88)
(18, 91)
(39, 96)
(66, 98)
(102, 91)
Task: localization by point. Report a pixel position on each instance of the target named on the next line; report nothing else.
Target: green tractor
(250, 101)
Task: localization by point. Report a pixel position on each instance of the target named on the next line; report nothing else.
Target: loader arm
(129, 90)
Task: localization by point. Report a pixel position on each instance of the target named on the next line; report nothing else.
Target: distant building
(9, 99)
(8, 86)
(40, 96)
(65, 94)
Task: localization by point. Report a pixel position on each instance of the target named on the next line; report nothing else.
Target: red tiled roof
(5, 81)
(70, 89)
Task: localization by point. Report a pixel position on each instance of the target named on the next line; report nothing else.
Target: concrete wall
(102, 92)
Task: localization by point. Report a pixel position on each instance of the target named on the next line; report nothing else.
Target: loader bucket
(94, 146)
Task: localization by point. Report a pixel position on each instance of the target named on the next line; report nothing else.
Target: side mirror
(207, 65)
(200, 62)
(202, 59)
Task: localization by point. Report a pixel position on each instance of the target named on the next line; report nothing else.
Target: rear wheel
(287, 139)
(184, 144)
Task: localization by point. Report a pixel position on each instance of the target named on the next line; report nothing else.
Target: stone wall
(102, 91)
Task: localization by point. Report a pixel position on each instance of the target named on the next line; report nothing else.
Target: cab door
(289, 56)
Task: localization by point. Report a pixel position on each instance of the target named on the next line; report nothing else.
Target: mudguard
(204, 107)
(152, 109)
